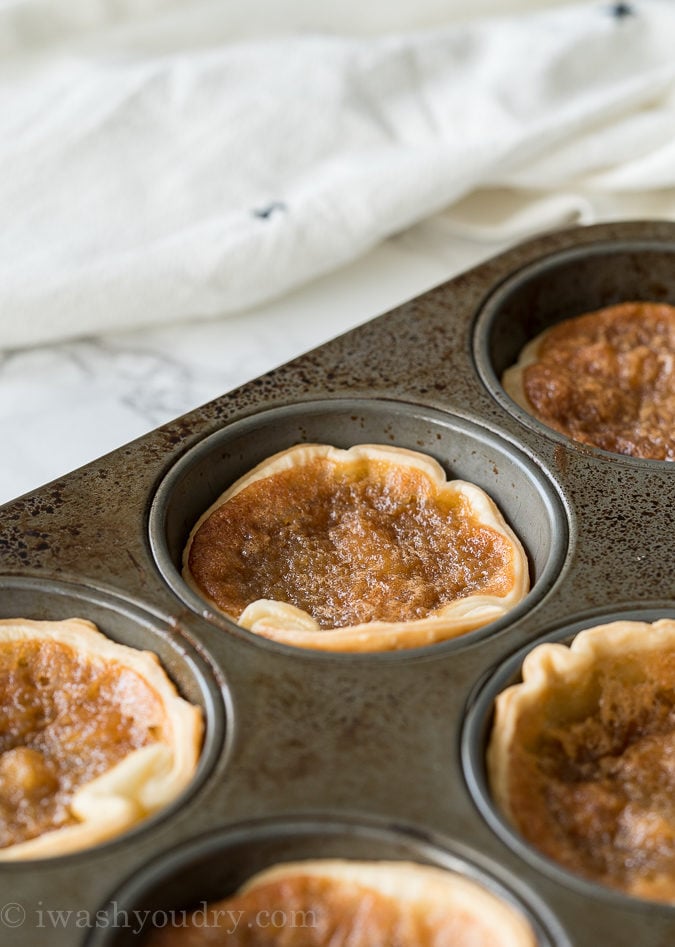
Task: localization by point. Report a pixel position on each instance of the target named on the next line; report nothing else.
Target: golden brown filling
(318, 912)
(608, 379)
(595, 791)
(347, 547)
(64, 720)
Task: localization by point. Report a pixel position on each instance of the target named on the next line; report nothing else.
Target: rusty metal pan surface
(378, 755)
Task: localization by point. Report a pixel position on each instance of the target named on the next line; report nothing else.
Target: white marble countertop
(65, 404)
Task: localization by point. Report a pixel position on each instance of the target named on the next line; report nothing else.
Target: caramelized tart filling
(368, 542)
(64, 720)
(593, 788)
(607, 379)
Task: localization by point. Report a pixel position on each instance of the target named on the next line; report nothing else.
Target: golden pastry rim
(141, 783)
(286, 624)
(512, 377)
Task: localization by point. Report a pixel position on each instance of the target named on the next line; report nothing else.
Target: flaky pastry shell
(144, 781)
(440, 907)
(565, 687)
(283, 622)
(433, 893)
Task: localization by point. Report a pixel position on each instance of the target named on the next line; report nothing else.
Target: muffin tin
(310, 754)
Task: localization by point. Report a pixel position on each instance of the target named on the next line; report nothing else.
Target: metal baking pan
(310, 754)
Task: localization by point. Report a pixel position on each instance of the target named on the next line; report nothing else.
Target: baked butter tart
(93, 737)
(582, 755)
(606, 378)
(366, 549)
(353, 904)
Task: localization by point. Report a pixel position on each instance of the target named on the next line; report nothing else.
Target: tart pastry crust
(406, 484)
(580, 755)
(605, 378)
(143, 781)
(360, 904)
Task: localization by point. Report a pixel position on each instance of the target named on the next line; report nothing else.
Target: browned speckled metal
(376, 754)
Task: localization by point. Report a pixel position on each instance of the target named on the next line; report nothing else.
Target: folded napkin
(156, 170)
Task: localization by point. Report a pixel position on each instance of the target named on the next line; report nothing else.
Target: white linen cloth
(162, 162)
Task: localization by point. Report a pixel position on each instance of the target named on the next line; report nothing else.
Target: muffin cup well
(474, 742)
(127, 623)
(559, 286)
(211, 867)
(524, 493)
